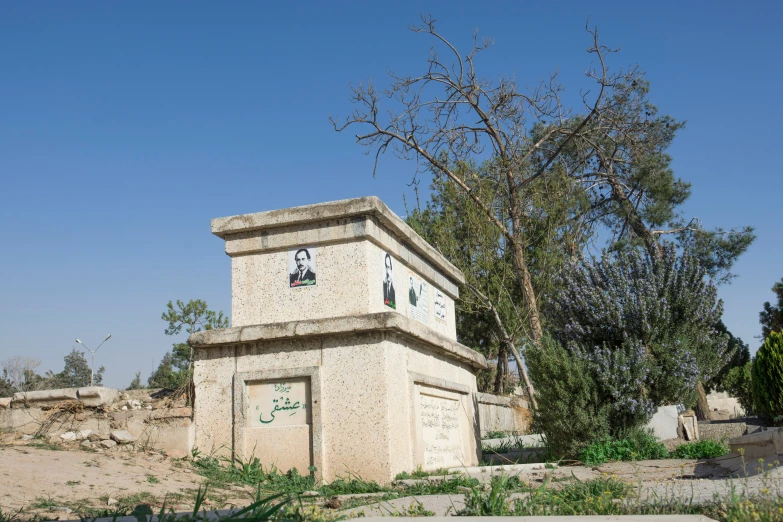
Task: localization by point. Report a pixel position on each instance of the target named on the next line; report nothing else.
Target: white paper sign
(417, 298)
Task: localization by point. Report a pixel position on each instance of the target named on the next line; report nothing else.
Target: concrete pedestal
(343, 354)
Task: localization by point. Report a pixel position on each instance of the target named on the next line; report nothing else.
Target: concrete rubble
(97, 417)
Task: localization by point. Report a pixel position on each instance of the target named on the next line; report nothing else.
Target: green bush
(570, 414)
(767, 377)
(737, 383)
(702, 449)
(636, 445)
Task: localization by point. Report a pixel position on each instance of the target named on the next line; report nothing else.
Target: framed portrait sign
(302, 267)
(389, 292)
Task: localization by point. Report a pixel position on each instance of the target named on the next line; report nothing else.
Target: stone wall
(503, 414)
(721, 431)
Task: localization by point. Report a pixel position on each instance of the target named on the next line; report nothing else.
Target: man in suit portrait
(303, 275)
(388, 284)
(413, 298)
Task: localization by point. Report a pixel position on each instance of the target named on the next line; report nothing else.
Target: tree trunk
(702, 407)
(500, 369)
(523, 374)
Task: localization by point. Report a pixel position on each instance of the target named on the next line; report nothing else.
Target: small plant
(152, 479)
(702, 449)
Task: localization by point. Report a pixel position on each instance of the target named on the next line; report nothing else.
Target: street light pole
(92, 354)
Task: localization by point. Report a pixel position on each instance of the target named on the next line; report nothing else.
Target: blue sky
(124, 128)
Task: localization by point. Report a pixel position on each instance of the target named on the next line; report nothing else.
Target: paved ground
(687, 480)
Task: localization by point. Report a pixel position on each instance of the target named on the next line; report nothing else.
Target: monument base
(369, 396)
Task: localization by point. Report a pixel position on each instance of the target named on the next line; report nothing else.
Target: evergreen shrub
(737, 383)
(570, 414)
(643, 328)
(767, 377)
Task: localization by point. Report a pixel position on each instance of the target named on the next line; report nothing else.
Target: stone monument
(342, 357)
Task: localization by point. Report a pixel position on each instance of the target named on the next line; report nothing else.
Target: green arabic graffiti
(285, 406)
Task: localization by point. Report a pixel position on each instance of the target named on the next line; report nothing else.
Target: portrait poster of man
(417, 298)
(440, 306)
(389, 295)
(301, 267)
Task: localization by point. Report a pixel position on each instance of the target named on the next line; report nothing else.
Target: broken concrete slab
(98, 396)
(44, 398)
(664, 422)
(122, 437)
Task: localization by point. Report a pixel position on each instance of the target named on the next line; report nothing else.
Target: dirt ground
(57, 482)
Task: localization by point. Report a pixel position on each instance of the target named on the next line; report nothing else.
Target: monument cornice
(239, 226)
(384, 321)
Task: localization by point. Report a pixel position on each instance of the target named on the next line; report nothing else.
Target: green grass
(637, 446)
(221, 472)
(152, 479)
(420, 473)
(647, 447)
(609, 496)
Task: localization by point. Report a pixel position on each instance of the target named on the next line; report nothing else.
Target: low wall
(498, 413)
(720, 431)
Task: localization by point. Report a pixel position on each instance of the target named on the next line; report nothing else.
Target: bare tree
(20, 371)
(449, 113)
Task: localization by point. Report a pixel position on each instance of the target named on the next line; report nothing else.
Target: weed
(352, 485)
(73, 482)
(702, 449)
(446, 486)
(152, 479)
(420, 473)
(44, 503)
(639, 446)
(45, 444)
